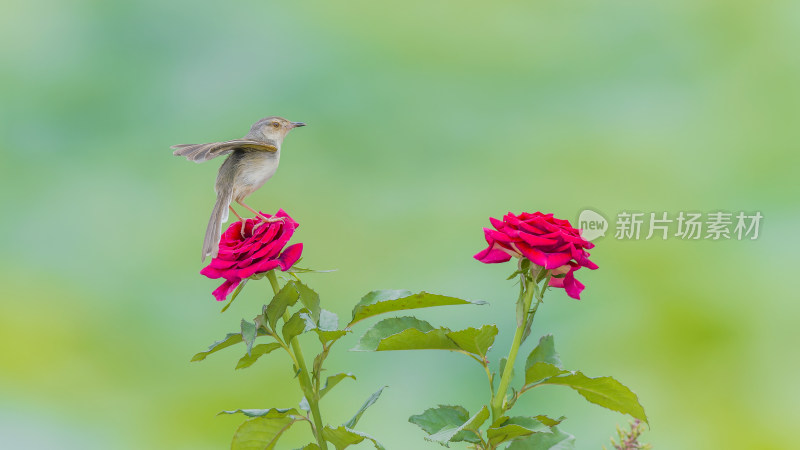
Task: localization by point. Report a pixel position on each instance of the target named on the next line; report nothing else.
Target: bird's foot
(270, 219)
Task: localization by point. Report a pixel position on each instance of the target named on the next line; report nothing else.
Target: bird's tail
(214, 230)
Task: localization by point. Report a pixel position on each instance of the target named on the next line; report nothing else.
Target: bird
(253, 160)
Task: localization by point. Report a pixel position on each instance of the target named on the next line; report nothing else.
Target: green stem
(498, 401)
(312, 395)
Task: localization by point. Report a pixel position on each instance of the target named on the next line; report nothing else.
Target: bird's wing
(204, 152)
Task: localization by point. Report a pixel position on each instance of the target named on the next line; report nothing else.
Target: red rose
(260, 248)
(544, 240)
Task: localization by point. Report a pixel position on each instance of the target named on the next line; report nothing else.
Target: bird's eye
(276, 124)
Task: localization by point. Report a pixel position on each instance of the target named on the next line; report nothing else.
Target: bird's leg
(241, 231)
(234, 213)
(259, 215)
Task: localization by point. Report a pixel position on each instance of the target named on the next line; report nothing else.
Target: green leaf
(227, 341)
(379, 302)
(328, 327)
(387, 327)
(309, 299)
(464, 432)
(528, 325)
(328, 321)
(414, 339)
(540, 371)
(548, 421)
(235, 294)
(285, 298)
(470, 340)
(506, 433)
(328, 336)
(344, 437)
(434, 420)
(503, 362)
(311, 446)
(604, 391)
(268, 413)
(332, 381)
(520, 311)
(294, 327)
(514, 428)
(475, 341)
(248, 334)
(260, 433)
(257, 352)
(370, 401)
(555, 440)
(544, 352)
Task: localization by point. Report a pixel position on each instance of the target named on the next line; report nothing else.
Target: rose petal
(290, 256)
(492, 255)
(222, 292)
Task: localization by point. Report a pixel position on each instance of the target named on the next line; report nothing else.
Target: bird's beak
(298, 124)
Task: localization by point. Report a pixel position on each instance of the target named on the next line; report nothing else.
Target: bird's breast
(255, 168)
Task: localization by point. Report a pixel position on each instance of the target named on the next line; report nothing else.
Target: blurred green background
(425, 119)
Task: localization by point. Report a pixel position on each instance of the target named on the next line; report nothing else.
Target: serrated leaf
(257, 352)
(328, 336)
(387, 327)
(434, 420)
(328, 321)
(447, 423)
(414, 339)
(343, 437)
(475, 341)
(540, 371)
(531, 423)
(235, 294)
(285, 298)
(260, 433)
(269, 413)
(310, 299)
(469, 340)
(294, 327)
(514, 428)
(248, 334)
(555, 440)
(464, 432)
(506, 433)
(548, 421)
(379, 302)
(327, 328)
(604, 391)
(370, 401)
(311, 446)
(332, 381)
(227, 341)
(544, 352)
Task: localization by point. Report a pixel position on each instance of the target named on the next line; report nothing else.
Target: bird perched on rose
(252, 162)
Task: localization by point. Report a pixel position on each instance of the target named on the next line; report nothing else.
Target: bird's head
(272, 129)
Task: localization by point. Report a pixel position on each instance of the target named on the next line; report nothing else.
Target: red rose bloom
(257, 249)
(544, 240)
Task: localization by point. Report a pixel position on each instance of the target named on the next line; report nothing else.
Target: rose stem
(499, 397)
(305, 381)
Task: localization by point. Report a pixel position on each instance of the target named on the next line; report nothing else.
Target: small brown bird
(253, 161)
